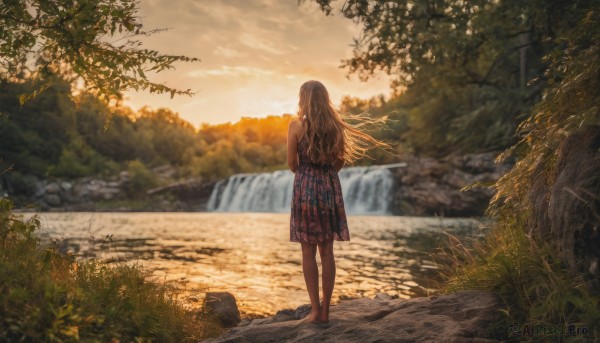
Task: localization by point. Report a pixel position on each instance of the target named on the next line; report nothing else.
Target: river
(250, 256)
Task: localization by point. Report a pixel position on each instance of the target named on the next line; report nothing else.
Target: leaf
(71, 331)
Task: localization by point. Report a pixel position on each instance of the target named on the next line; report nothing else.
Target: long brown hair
(329, 137)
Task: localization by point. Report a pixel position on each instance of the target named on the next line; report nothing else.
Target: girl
(319, 143)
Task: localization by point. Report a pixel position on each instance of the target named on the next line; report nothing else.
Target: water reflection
(249, 254)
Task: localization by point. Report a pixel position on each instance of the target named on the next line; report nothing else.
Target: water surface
(249, 254)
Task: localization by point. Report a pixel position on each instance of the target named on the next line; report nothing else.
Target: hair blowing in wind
(329, 137)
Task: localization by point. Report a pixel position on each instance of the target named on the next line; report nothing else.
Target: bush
(77, 159)
(49, 296)
(141, 178)
(515, 260)
(529, 276)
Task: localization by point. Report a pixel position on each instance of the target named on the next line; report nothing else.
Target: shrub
(46, 295)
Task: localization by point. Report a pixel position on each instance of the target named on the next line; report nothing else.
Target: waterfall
(366, 190)
(266, 192)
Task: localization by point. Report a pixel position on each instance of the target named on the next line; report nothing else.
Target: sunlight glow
(252, 66)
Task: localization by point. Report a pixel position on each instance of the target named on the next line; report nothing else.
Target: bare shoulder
(295, 127)
(295, 124)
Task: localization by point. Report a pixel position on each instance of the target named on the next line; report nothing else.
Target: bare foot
(323, 315)
(312, 318)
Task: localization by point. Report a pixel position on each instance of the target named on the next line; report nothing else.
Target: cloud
(253, 41)
(254, 55)
(235, 71)
(228, 52)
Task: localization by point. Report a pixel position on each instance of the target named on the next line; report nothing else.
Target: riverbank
(52, 295)
(420, 187)
(249, 254)
(470, 316)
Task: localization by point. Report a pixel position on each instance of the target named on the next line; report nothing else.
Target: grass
(49, 296)
(531, 279)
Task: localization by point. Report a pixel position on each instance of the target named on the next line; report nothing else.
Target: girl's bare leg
(311, 277)
(328, 265)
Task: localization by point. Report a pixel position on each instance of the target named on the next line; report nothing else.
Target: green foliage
(524, 269)
(50, 296)
(173, 139)
(570, 102)
(33, 136)
(533, 282)
(78, 160)
(54, 135)
(459, 66)
(248, 146)
(468, 42)
(141, 178)
(97, 42)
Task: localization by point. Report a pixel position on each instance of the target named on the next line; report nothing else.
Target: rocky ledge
(434, 187)
(467, 316)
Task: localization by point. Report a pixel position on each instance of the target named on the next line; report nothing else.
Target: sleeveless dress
(318, 212)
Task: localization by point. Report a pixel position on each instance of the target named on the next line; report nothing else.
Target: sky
(255, 55)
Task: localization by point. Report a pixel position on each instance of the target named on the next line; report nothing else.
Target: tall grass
(528, 272)
(530, 278)
(46, 295)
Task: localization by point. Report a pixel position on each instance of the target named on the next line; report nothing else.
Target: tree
(465, 65)
(32, 137)
(542, 253)
(96, 41)
(570, 104)
(471, 42)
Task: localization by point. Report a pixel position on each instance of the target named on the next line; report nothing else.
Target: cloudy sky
(254, 55)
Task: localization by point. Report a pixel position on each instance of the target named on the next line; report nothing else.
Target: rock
(457, 178)
(383, 296)
(224, 306)
(165, 172)
(81, 191)
(281, 316)
(428, 187)
(457, 317)
(568, 213)
(113, 184)
(479, 163)
(99, 183)
(53, 200)
(102, 190)
(193, 194)
(111, 193)
(124, 176)
(52, 188)
(245, 321)
(39, 192)
(66, 186)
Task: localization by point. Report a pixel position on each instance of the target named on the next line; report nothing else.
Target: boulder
(224, 306)
(81, 191)
(192, 194)
(66, 186)
(53, 200)
(430, 187)
(569, 212)
(470, 316)
(124, 176)
(52, 188)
